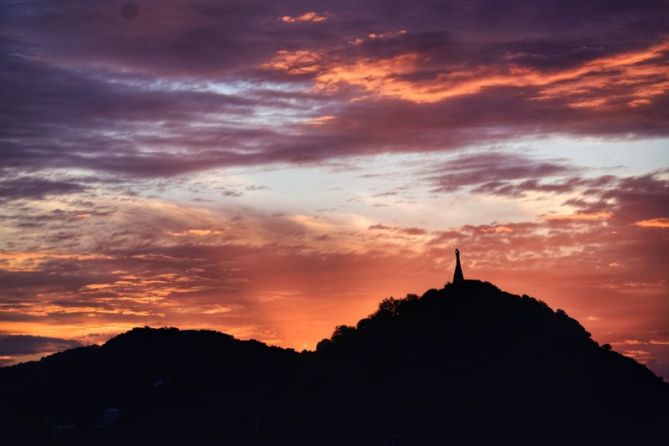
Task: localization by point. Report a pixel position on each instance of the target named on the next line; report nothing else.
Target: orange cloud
(295, 62)
(309, 17)
(144, 289)
(632, 78)
(320, 120)
(497, 229)
(641, 356)
(654, 223)
(291, 278)
(32, 261)
(195, 232)
(581, 216)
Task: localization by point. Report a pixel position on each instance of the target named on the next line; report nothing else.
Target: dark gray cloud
(11, 345)
(36, 188)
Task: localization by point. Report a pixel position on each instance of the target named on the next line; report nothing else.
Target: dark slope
(468, 364)
(488, 367)
(155, 381)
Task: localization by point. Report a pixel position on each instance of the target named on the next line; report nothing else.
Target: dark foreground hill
(465, 365)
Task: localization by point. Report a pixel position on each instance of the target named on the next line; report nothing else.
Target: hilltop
(466, 364)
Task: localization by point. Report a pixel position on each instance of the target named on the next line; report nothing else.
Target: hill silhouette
(467, 364)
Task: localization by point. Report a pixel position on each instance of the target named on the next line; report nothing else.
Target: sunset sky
(273, 169)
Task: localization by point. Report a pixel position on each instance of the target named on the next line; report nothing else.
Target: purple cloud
(496, 172)
(180, 86)
(36, 188)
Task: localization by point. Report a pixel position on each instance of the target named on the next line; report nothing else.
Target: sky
(275, 169)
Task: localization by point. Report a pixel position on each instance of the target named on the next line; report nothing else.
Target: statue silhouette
(457, 275)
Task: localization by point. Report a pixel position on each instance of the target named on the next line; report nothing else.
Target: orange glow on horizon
(275, 170)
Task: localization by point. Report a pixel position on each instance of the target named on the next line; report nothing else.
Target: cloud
(307, 17)
(169, 91)
(495, 172)
(36, 188)
(654, 223)
(399, 230)
(581, 216)
(295, 62)
(20, 348)
(25, 344)
(195, 232)
(632, 79)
